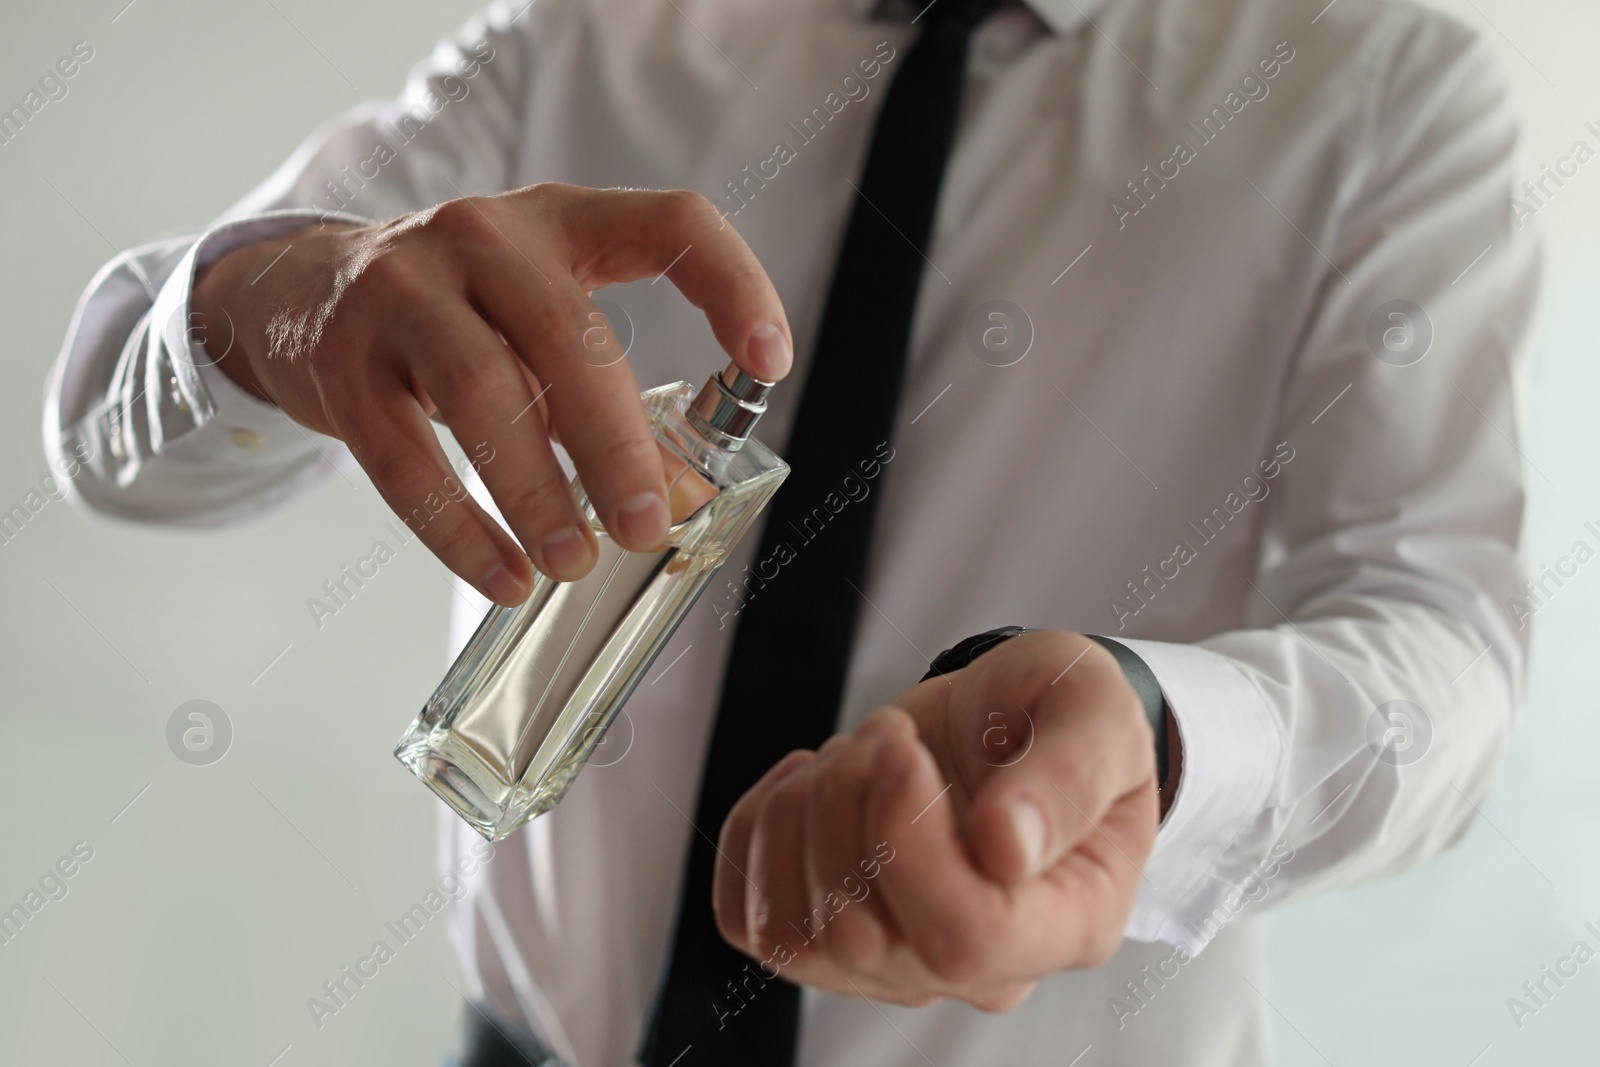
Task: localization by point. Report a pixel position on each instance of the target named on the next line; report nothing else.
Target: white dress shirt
(1201, 209)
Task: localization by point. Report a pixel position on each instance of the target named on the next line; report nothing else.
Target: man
(1215, 331)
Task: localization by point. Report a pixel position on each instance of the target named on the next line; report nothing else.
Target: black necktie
(791, 650)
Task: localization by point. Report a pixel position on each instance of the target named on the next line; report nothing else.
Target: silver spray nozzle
(727, 407)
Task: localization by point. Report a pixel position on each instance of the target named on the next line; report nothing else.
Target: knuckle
(398, 473)
(834, 744)
(953, 950)
(1100, 944)
(551, 193)
(624, 451)
(787, 800)
(753, 286)
(392, 280)
(855, 941)
(757, 929)
(556, 206)
(831, 790)
(563, 316)
(538, 493)
(690, 210)
(451, 539)
(737, 826)
(1003, 998)
(452, 377)
(463, 217)
(761, 940)
(459, 374)
(386, 267)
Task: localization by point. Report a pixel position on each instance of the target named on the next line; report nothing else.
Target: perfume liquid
(534, 690)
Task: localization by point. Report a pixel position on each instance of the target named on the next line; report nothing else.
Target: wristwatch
(1138, 673)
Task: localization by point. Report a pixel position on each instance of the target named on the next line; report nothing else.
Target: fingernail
(769, 351)
(502, 586)
(565, 555)
(642, 519)
(789, 764)
(1027, 822)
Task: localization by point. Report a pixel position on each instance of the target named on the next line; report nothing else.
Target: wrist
(218, 318)
(233, 299)
(1143, 681)
(1168, 744)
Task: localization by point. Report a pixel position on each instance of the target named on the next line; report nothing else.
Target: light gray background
(225, 895)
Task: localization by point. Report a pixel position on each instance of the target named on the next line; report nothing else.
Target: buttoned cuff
(1232, 747)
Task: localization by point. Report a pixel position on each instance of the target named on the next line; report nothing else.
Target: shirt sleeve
(137, 414)
(1352, 729)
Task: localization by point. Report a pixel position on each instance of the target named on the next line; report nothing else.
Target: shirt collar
(1062, 16)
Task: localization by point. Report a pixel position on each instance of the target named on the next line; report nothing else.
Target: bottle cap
(728, 406)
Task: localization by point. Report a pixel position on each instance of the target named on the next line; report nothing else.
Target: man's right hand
(474, 312)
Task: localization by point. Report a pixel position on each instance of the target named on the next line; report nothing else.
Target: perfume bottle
(532, 693)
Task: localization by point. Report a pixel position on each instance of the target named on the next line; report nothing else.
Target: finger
(1083, 901)
(1089, 745)
(534, 386)
(732, 881)
(776, 904)
(619, 235)
(941, 904)
(593, 403)
(838, 859)
(973, 937)
(484, 397)
(393, 441)
(1117, 847)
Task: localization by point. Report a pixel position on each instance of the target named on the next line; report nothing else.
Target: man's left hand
(988, 829)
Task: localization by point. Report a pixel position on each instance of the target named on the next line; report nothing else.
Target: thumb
(1087, 746)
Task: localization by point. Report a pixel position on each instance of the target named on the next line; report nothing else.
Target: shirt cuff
(204, 391)
(1231, 750)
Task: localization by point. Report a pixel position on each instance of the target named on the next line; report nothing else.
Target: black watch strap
(1136, 670)
(964, 652)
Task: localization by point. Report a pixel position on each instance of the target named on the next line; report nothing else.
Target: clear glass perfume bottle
(532, 693)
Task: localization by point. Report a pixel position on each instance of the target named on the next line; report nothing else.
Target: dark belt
(488, 1040)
